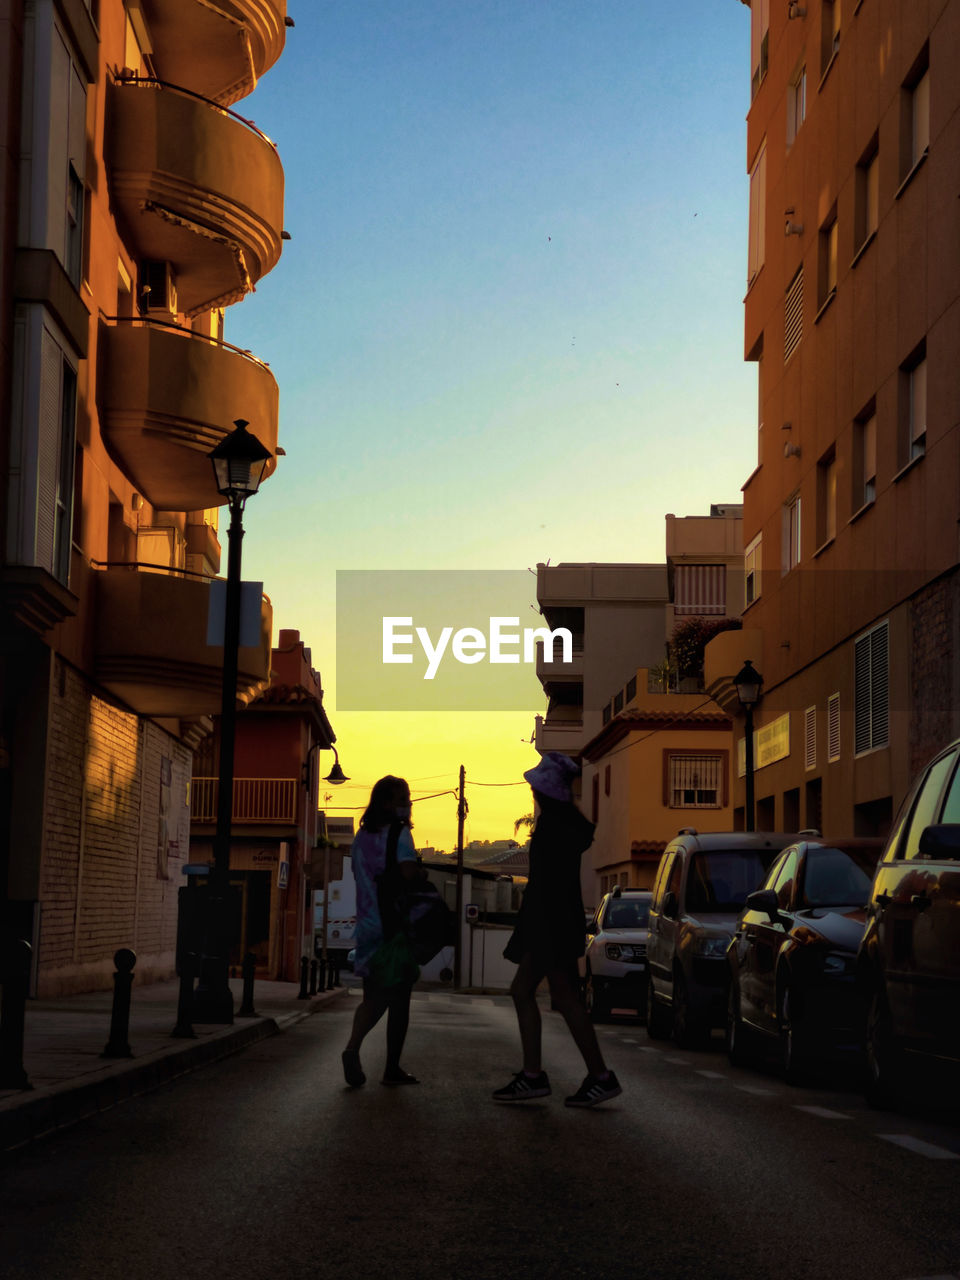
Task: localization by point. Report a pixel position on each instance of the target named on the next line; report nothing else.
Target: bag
(392, 963)
(413, 908)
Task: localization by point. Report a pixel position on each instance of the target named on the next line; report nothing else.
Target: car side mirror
(764, 901)
(942, 842)
(670, 905)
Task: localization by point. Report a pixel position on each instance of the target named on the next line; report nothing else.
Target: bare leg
(523, 989)
(369, 1012)
(568, 1005)
(398, 1019)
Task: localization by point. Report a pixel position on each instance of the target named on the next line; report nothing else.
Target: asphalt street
(265, 1165)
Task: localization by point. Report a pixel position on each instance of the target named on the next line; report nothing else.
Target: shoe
(522, 1088)
(396, 1076)
(594, 1090)
(352, 1071)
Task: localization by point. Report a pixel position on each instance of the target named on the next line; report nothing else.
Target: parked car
(909, 960)
(615, 974)
(701, 886)
(793, 956)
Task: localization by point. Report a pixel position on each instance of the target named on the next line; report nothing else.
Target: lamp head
(239, 462)
(336, 774)
(748, 684)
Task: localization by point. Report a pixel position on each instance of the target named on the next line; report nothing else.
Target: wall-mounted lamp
(791, 450)
(795, 10)
(792, 228)
(336, 774)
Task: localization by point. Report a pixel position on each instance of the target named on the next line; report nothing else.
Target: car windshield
(627, 914)
(836, 878)
(720, 881)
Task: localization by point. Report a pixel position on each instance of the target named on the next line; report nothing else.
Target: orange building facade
(852, 316)
(137, 207)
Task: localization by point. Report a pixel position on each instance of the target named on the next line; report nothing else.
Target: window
(913, 406)
(63, 505)
(695, 782)
(926, 805)
(786, 877)
(606, 780)
(871, 711)
(827, 498)
(829, 33)
(915, 115)
(700, 589)
(595, 798)
(791, 533)
(827, 283)
(809, 739)
(759, 43)
(865, 458)
(751, 567)
(793, 316)
(796, 104)
(758, 214)
(66, 148)
(833, 728)
(867, 195)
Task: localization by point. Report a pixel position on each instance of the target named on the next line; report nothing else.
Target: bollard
(331, 973)
(184, 1028)
(248, 968)
(304, 963)
(118, 1046)
(15, 976)
(313, 977)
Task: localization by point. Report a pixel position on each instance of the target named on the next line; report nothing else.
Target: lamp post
(748, 684)
(335, 776)
(239, 462)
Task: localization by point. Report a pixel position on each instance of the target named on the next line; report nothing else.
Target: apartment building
(852, 317)
(137, 207)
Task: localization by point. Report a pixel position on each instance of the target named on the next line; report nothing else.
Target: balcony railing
(266, 800)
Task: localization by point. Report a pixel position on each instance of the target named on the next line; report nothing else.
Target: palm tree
(528, 820)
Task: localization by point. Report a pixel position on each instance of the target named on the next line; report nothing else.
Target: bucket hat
(553, 775)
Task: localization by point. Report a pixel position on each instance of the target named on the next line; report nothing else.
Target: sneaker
(523, 1087)
(352, 1071)
(594, 1090)
(396, 1075)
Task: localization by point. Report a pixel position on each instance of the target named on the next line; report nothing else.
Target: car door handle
(920, 901)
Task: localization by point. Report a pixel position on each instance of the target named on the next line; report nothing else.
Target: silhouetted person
(389, 806)
(550, 937)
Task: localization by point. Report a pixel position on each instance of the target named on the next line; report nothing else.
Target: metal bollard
(248, 968)
(304, 965)
(118, 1046)
(313, 977)
(184, 1028)
(15, 976)
(331, 973)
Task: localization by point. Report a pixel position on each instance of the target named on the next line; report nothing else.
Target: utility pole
(461, 814)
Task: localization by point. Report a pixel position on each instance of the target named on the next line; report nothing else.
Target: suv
(616, 959)
(702, 884)
(908, 965)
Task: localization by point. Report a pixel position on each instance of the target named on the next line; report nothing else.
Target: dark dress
(550, 922)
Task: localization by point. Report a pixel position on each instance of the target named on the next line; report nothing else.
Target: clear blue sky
(508, 325)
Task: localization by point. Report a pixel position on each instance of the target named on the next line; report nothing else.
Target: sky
(507, 326)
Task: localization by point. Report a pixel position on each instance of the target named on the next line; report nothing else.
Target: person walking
(386, 818)
(550, 936)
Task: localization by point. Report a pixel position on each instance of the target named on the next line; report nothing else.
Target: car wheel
(688, 1031)
(883, 1059)
(597, 1006)
(740, 1043)
(658, 1017)
(794, 1038)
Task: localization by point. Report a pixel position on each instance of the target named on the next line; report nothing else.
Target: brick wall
(105, 882)
(933, 676)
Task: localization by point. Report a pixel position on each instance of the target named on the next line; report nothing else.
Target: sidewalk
(65, 1037)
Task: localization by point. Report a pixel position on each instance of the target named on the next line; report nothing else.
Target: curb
(46, 1110)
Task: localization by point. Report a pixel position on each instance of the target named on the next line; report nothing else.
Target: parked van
(909, 960)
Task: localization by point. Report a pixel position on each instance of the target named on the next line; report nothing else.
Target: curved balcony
(151, 644)
(196, 186)
(167, 396)
(218, 50)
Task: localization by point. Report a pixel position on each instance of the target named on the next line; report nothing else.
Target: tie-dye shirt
(368, 858)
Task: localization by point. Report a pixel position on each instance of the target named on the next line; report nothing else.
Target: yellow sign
(771, 742)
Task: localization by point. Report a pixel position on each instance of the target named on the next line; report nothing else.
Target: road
(264, 1165)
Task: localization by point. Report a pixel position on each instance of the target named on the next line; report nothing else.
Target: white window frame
(796, 104)
(833, 728)
(792, 533)
(757, 238)
(752, 566)
(810, 738)
(705, 771)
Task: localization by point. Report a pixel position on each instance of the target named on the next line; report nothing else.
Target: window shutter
(833, 727)
(880, 687)
(48, 451)
(810, 738)
(793, 316)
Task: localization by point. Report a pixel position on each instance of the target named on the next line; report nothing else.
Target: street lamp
(748, 684)
(336, 774)
(239, 463)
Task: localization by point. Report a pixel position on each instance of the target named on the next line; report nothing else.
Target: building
(136, 208)
(615, 613)
(852, 316)
(276, 820)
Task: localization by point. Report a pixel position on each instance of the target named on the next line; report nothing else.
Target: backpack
(414, 907)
